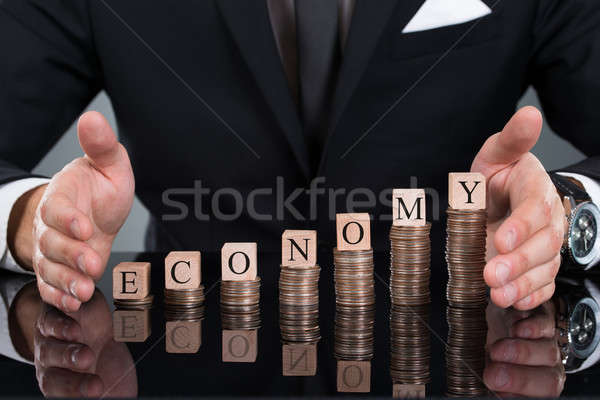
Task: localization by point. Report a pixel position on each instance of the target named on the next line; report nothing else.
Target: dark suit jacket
(191, 81)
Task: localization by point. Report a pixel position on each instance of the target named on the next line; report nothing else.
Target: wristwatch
(581, 249)
(577, 319)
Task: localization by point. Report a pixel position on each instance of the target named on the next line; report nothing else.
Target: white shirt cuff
(9, 194)
(591, 186)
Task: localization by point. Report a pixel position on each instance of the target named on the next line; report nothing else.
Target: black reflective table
(146, 369)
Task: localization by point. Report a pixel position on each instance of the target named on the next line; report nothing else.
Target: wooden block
(299, 359)
(131, 325)
(240, 345)
(353, 231)
(299, 248)
(238, 262)
(183, 270)
(131, 280)
(408, 207)
(466, 190)
(402, 391)
(183, 336)
(354, 376)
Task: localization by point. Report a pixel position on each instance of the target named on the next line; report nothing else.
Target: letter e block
(183, 336)
(299, 359)
(183, 270)
(408, 206)
(131, 325)
(354, 376)
(299, 248)
(466, 190)
(240, 345)
(353, 231)
(238, 262)
(131, 280)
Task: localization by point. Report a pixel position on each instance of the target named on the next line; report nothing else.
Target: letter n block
(466, 190)
(353, 231)
(238, 262)
(299, 359)
(131, 281)
(183, 270)
(299, 248)
(408, 206)
(131, 325)
(240, 345)
(354, 376)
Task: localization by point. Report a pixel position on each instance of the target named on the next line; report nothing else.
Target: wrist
(20, 226)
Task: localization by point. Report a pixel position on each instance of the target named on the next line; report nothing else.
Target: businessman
(295, 98)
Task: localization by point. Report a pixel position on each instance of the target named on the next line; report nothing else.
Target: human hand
(75, 354)
(524, 358)
(81, 210)
(525, 215)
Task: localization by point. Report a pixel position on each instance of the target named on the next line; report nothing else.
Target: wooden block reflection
(354, 376)
(402, 391)
(183, 336)
(131, 325)
(240, 345)
(299, 359)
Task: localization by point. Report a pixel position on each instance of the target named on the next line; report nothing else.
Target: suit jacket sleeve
(48, 74)
(565, 69)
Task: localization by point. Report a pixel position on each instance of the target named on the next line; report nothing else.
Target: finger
(536, 298)
(58, 382)
(541, 248)
(76, 254)
(518, 137)
(64, 278)
(521, 290)
(542, 352)
(539, 325)
(99, 143)
(50, 352)
(524, 380)
(58, 211)
(54, 323)
(57, 298)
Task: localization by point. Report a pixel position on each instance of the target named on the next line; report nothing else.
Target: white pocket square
(439, 13)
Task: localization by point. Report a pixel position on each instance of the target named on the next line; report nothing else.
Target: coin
(299, 304)
(240, 304)
(134, 304)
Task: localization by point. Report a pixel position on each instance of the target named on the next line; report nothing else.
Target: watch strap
(566, 187)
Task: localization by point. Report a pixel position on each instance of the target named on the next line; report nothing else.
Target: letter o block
(353, 231)
(238, 262)
(131, 281)
(466, 190)
(354, 376)
(183, 270)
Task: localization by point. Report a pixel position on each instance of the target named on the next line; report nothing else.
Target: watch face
(583, 232)
(583, 332)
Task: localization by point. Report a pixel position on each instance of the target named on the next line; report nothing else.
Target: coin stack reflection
(299, 304)
(354, 304)
(465, 352)
(410, 345)
(240, 304)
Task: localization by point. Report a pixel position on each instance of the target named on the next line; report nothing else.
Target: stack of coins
(410, 257)
(354, 304)
(465, 352)
(465, 255)
(410, 345)
(299, 304)
(184, 304)
(240, 304)
(134, 304)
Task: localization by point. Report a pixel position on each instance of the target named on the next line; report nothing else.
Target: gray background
(552, 151)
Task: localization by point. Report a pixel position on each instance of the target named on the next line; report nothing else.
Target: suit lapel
(369, 19)
(248, 21)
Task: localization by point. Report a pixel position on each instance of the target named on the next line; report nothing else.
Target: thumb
(504, 148)
(99, 143)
